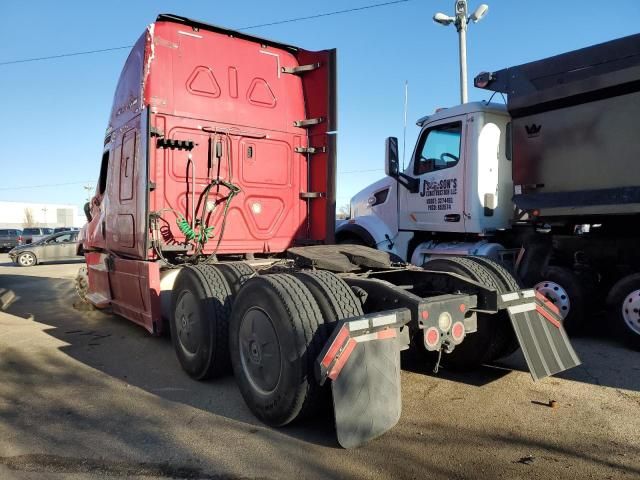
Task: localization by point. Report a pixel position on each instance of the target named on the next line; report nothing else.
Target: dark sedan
(56, 247)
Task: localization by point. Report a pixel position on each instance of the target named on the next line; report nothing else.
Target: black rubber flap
(545, 345)
(366, 394)
(339, 258)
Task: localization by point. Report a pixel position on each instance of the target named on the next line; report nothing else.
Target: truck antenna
(404, 133)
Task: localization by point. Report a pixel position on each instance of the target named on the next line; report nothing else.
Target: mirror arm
(410, 183)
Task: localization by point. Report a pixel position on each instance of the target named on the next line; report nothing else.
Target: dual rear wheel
(268, 329)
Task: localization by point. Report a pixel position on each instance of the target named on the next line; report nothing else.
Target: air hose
(199, 234)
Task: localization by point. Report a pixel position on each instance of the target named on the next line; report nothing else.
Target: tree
(28, 218)
(343, 212)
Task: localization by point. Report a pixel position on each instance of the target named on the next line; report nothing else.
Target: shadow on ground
(110, 434)
(125, 351)
(38, 402)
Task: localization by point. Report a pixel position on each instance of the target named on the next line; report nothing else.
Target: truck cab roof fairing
(195, 24)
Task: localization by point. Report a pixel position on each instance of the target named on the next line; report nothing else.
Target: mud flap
(362, 360)
(542, 338)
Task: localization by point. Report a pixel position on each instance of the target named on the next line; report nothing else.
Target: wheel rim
(259, 350)
(557, 295)
(631, 311)
(26, 260)
(188, 324)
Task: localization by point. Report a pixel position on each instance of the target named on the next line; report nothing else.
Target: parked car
(33, 234)
(59, 246)
(9, 238)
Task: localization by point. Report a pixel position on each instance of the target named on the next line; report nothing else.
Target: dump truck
(213, 220)
(547, 184)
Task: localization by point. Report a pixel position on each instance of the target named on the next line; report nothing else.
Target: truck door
(438, 203)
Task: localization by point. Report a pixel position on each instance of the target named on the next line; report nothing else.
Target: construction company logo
(533, 130)
(440, 193)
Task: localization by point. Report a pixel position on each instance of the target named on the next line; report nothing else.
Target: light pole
(88, 187)
(44, 214)
(461, 20)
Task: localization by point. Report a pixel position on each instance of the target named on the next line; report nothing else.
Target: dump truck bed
(575, 149)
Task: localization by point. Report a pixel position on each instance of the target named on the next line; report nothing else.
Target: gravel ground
(86, 394)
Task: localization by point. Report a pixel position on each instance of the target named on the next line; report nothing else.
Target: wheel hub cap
(556, 295)
(188, 324)
(260, 350)
(631, 311)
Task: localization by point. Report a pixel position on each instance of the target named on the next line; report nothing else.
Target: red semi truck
(213, 218)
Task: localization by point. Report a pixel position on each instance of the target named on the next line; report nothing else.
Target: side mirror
(87, 211)
(391, 163)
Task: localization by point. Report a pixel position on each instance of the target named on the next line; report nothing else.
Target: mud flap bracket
(362, 360)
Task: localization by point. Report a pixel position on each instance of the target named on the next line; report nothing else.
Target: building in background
(22, 215)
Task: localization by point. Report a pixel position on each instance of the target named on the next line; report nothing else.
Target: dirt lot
(85, 394)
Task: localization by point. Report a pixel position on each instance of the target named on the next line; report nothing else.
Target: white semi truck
(548, 184)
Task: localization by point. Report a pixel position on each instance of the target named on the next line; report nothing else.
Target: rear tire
(200, 311)
(336, 301)
(273, 339)
(623, 307)
(82, 284)
(563, 288)
(236, 274)
(484, 345)
(508, 343)
(334, 297)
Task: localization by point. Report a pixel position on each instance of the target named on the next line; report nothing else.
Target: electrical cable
(328, 14)
(250, 27)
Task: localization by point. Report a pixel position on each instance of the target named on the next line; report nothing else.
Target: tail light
(457, 332)
(19, 239)
(432, 339)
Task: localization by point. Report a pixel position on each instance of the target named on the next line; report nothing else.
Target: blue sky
(54, 113)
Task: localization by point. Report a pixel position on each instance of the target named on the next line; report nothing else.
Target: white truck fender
(370, 229)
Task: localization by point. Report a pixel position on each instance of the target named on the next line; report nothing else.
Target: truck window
(102, 182)
(438, 148)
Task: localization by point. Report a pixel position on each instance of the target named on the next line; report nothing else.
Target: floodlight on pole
(461, 20)
(480, 12)
(443, 19)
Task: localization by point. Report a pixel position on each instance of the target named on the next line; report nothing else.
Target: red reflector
(548, 316)
(343, 334)
(432, 336)
(463, 307)
(547, 303)
(424, 315)
(342, 359)
(457, 332)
